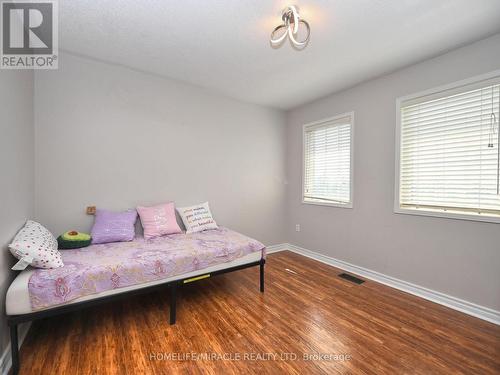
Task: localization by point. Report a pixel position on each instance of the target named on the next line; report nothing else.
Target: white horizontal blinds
(327, 153)
(449, 152)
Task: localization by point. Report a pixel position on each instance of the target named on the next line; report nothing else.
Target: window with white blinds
(449, 152)
(328, 162)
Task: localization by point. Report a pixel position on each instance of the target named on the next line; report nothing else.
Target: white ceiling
(223, 45)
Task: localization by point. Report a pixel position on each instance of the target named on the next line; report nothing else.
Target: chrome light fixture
(290, 27)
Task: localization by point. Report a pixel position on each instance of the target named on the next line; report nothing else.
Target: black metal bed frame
(14, 320)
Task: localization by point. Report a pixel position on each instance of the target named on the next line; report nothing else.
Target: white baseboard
(466, 307)
(276, 248)
(6, 358)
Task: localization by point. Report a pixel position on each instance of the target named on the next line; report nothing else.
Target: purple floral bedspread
(98, 268)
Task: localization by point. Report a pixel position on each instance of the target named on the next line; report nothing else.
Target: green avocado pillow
(73, 240)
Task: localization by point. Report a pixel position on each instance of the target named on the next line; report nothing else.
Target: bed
(100, 273)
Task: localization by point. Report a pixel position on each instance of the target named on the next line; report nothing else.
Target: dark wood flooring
(306, 310)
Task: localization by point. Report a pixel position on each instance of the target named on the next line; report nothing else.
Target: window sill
(328, 204)
(448, 215)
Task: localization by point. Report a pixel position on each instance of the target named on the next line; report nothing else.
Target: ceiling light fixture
(291, 22)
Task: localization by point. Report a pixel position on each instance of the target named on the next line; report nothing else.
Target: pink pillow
(158, 220)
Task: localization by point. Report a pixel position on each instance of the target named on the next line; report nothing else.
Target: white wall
(459, 258)
(117, 138)
(16, 168)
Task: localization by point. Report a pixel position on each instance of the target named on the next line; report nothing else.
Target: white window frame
(351, 161)
(425, 211)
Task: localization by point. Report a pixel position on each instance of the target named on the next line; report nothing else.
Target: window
(448, 160)
(328, 162)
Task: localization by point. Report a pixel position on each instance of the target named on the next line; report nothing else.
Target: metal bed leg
(14, 348)
(262, 262)
(173, 297)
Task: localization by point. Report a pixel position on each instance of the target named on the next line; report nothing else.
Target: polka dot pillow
(34, 245)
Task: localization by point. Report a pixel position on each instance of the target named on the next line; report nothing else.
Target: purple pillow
(112, 226)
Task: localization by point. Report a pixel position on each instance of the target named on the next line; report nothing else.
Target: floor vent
(352, 279)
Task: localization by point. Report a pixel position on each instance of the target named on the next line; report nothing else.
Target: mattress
(103, 270)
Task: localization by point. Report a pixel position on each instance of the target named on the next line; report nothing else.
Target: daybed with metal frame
(14, 318)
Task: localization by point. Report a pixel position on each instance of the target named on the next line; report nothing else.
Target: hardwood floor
(305, 309)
